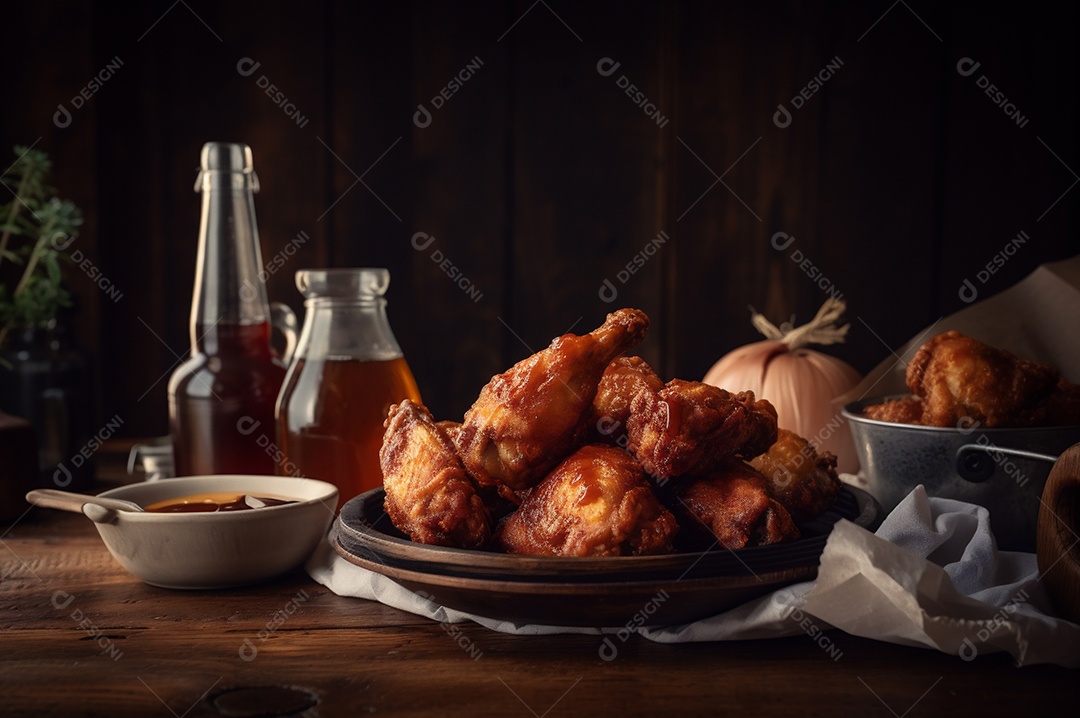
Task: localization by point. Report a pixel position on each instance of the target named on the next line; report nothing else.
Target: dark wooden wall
(540, 178)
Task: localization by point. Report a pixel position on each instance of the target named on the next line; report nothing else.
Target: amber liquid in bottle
(221, 400)
(222, 403)
(335, 434)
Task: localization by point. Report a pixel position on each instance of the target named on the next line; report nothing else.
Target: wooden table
(83, 637)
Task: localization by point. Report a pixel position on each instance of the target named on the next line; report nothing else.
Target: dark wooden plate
(612, 592)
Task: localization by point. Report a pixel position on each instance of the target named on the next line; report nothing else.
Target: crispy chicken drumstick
(526, 419)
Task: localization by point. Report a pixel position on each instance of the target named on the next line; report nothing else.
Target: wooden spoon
(68, 501)
(1057, 542)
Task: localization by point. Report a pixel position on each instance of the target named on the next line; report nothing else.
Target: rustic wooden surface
(540, 178)
(152, 651)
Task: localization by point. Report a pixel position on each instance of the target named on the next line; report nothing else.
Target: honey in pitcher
(346, 372)
(330, 418)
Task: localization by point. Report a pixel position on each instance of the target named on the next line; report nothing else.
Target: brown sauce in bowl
(217, 501)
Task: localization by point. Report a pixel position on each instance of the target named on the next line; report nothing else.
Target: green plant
(36, 227)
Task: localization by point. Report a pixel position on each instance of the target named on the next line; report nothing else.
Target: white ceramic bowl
(220, 549)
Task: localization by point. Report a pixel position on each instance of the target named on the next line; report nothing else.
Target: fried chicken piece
(1062, 407)
(905, 410)
(526, 419)
(428, 494)
(450, 428)
(689, 427)
(731, 507)
(624, 378)
(597, 502)
(962, 378)
(959, 380)
(801, 479)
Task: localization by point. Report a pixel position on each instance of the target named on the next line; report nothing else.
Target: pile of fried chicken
(579, 450)
(959, 381)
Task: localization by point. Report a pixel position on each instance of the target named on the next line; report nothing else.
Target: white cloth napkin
(931, 576)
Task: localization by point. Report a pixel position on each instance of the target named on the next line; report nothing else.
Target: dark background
(539, 178)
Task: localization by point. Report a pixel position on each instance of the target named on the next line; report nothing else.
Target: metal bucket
(1002, 469)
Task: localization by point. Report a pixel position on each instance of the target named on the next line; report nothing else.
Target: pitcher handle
(283, 318)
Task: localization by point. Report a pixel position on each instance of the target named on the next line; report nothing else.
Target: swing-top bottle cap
(226, 157)
(226, 165)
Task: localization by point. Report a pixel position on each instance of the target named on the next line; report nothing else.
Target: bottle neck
(229, 292)
(347, 328)
(233, 340)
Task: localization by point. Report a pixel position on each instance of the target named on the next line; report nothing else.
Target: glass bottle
(347, 371)
(221, 400)
(46, 380)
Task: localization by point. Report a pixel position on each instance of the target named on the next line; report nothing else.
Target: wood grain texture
(739, 178)
(585, 160)
(149, 651)
(457, 237)
(52, 83)
(1001, 176)
(1058, 535)
(882, 130)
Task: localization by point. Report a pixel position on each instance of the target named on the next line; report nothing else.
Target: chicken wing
(691, 428)
(905, 410)
(597, 502)
(958, 377)
(623, 379)
(428, 494)
(529, 417)
(731, 507)
(801, 479)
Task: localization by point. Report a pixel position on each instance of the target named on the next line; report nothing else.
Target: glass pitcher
(345, 373)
